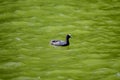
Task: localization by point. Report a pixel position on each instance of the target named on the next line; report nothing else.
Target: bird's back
(58, 42)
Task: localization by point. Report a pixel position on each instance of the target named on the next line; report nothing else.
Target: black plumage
(60, 42)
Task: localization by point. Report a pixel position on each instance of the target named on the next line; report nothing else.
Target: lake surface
(28, 26)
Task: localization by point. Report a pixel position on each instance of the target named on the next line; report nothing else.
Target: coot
(60, 42)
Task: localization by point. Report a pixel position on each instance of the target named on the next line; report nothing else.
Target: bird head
(68, 35)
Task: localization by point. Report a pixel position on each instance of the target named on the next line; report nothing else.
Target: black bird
(60, 42)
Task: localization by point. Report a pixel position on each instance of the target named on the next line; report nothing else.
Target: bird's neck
(67, 40)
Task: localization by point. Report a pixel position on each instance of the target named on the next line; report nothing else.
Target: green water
(27, 26)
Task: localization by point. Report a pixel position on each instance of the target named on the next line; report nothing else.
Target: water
(28, 26)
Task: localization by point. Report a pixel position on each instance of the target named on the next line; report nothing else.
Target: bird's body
(60, 42)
